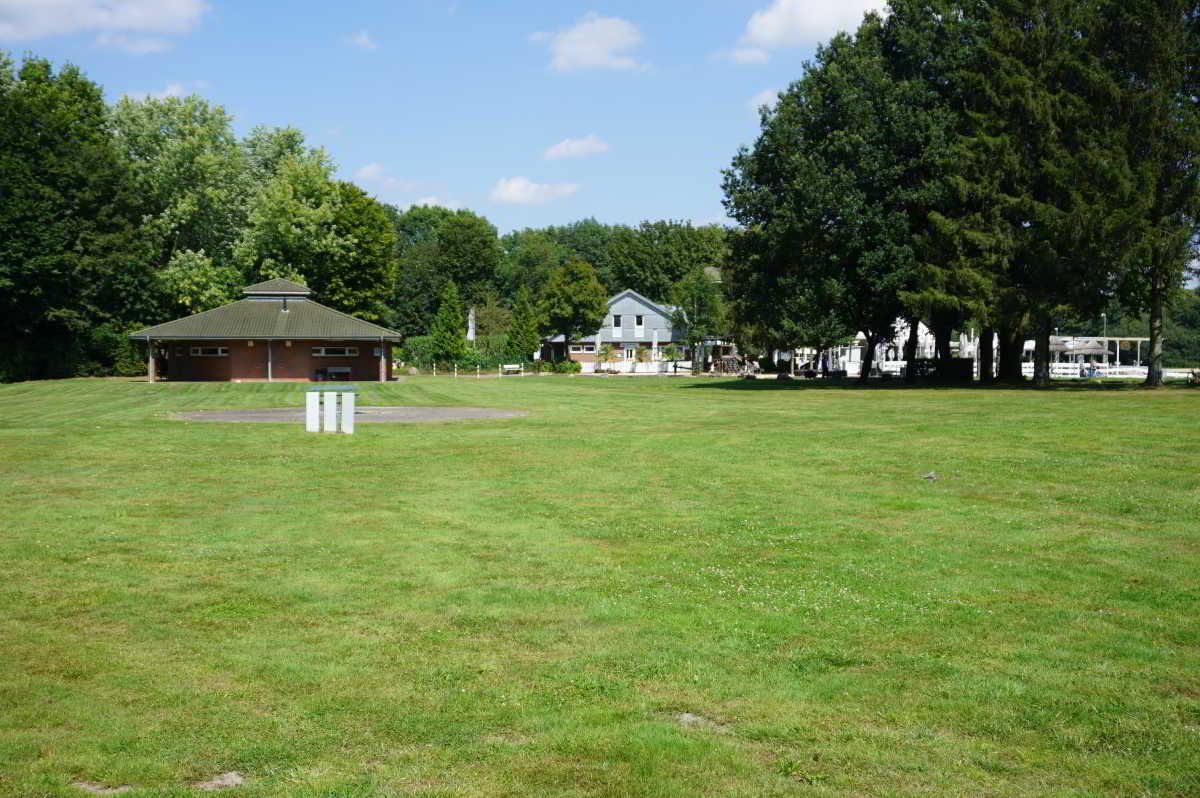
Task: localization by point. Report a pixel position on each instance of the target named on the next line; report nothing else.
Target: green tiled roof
(266, 318)
(277, 287)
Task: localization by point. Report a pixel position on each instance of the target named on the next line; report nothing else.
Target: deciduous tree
(573, 303)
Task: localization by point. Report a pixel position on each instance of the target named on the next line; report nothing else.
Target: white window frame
(217, 351)
(343, 351)
(583, 349)
(629, 351)
(616, 325)
(639, 326)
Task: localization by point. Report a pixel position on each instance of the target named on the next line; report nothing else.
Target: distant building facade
(637, 329)
(277, 333)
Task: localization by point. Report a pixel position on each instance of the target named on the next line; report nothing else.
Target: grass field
(643, 588)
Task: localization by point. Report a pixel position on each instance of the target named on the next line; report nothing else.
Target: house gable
(627, 306)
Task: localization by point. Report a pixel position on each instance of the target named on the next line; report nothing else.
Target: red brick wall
(248, 361)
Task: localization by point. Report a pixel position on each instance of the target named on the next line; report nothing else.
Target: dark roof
(266, 317)
(276, 287)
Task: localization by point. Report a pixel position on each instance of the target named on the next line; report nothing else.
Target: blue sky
(528, 113)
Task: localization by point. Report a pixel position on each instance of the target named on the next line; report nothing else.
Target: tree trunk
(941, 340)
(1041, 352)
(1154, 377)
(868, 358)
(1012, 345)
(910, 350)
(986, 355)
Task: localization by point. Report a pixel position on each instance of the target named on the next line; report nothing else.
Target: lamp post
(1104, 321)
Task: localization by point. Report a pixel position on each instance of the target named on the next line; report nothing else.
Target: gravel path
(362, 415)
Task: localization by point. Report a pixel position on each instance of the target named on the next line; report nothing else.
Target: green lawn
(646, 587)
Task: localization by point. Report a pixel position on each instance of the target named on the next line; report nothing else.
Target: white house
(638, 329)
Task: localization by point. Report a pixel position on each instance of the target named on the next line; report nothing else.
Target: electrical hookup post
(330, 409)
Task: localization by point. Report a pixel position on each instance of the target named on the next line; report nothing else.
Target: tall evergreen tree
(1054, 199)
(523, 336)
(1153, 49)
(449, 331)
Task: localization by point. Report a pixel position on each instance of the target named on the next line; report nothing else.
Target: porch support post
(382, 360)
(269, 361)
(151, 371)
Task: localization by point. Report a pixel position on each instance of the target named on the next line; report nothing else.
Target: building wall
(629, 308)
(247, 360)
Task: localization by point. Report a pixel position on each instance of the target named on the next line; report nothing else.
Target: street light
(1104, 321)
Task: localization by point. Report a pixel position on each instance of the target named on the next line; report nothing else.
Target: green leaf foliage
(523, 337)
(449, 333)
(71, 255)
(573, 303)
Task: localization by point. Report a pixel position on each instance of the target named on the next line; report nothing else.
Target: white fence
(1062, 371)
(634, 367)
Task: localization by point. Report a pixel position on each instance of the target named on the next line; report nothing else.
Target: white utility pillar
(329, 398)
(348, 413)
(312, 411)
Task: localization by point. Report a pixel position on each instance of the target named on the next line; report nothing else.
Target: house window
(628, 352)
(580, 349)
(335, 351)
(210, 351)
(616, 324)
(639, 325)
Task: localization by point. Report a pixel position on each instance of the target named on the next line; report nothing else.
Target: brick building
(277, 333)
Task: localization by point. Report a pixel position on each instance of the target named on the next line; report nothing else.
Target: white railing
(634, 367)
(1067, 371)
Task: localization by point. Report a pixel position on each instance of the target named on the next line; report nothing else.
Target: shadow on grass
(836, 384)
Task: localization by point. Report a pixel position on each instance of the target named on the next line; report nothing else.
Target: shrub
(567, 367)
(417, 351)
(108, 351)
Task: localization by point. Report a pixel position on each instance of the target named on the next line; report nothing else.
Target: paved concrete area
(362, 415)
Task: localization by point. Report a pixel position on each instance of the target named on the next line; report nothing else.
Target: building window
(210, 351)
(335, 351)
(616, 323)
(639, 326)
(628, 352)
(581, 349)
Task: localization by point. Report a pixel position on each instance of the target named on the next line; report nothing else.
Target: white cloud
(24, 20)
(376, 174)
(437, 202)
(793, 23)
(135, 45)
(523, 191)
(362, 40)
(171, 90)
(594, 42)
(749, 55)
(767, 97)
(576, 148)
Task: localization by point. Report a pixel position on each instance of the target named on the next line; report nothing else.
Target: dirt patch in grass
(693, 721)
(219, 782)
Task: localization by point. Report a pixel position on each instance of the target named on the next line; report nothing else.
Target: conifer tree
(1154, 51)
(449, 328)
(523, 336)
